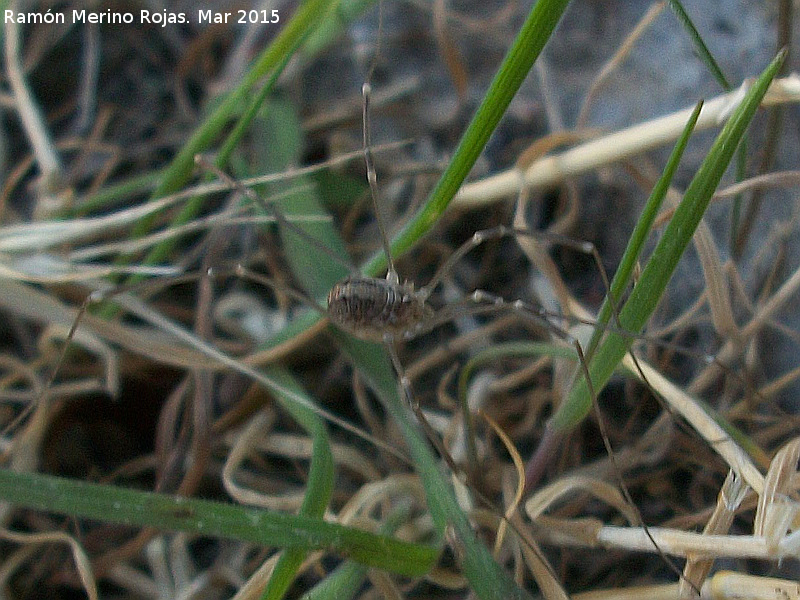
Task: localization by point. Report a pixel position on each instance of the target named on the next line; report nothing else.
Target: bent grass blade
(147, 509)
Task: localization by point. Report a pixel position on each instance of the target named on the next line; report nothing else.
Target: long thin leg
(547, 318)
(372, 179)
(408, 395)
(499, 232)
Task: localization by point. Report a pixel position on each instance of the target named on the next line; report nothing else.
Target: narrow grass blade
(204, 517)
(656, 275)
(318, 489)
(711, 64)
(215, 519)
(640, 232)
(699, 45)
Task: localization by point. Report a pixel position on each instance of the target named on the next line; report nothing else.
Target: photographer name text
(143, 17)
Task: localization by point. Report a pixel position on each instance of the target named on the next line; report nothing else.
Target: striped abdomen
(375, 309)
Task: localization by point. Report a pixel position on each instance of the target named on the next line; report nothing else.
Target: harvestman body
(377, 310)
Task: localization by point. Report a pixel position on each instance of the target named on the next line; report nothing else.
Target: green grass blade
(699, 45)
(319, 487)
(346, 580)
(711, 64)
(656, 275)
(640, 232)
(529, 42)
(215, 519)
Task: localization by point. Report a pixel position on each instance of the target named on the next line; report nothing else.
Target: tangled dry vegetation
(163, 390)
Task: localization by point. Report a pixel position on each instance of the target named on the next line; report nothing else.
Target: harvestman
(386, 310)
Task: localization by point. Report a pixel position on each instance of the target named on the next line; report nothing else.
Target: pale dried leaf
(568, 486)
(716, 287)
(82, 562)
(775, 511)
